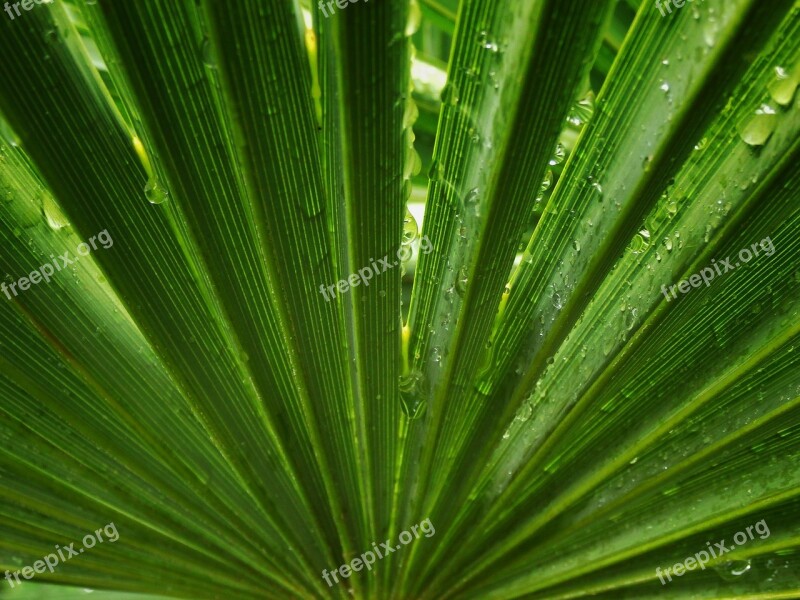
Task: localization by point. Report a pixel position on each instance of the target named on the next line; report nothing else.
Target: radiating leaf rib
(677, 221)
(289, 200)
(513, 331)
(59, 314)
(781, 519)
(366, 156)
(731, 422)
(535, 131)
(194, 385)
(597, 175)
(665, 264)
(725, 462)
(219, 209)
(65, 499)
(747, 348)
(151, 246)
(523, 119)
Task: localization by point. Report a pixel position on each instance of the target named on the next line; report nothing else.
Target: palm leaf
(353, 268)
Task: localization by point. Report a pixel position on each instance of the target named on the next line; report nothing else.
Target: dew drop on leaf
(51, 35)
(558, 155)
(52, 213)
(757, 129)
(782, 88)
(412, 394)
(558, 303)
(410, 229)
(155, 192)
(485, 42)
(207, 53)
(732, 570)
(546, 182)
(461, 281)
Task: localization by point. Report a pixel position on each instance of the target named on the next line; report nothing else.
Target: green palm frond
(408, 299)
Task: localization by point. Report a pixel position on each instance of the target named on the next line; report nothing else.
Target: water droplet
(52, 213)
(471, 72)
(474, 136)
(576, 245)
(558, 155)
(672, 207)
(582, 111)
(485, 42)
(574, 120)
(640, 242)
(701, 145)
(710, 31)
(51, 36)
(410, 229)
(155, 192)
(471, 199)
(782, 88)
(436, 355)
(596, 186)
(461, 281)
(732, 570)
(8, 134)
(585, 106)
(546, 182)
(664, 87)
(449, 94)
(759, 127)
(412, 394)
(558, 303)
(207, 53)
(629, 318)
